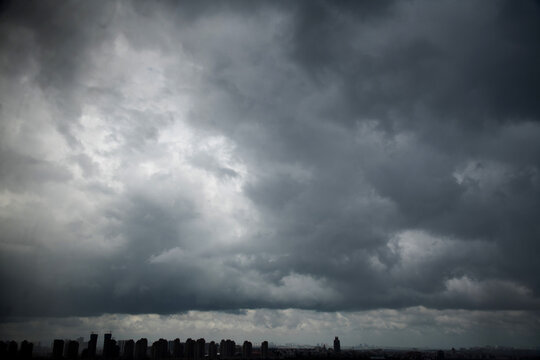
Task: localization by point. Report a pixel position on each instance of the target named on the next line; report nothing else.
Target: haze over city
(288, 171)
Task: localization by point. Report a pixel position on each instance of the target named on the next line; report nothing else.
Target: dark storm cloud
(316, 155)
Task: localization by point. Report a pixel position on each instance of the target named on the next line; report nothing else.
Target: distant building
(212, 350)
(246, 350)
(3, 350)
(72, 349)
(160, 349)
(177, 349)
(141, 347)
(227, 348)
(200, 348)
(440, 355)
(189, 348)
(114, 349)
(129, 349)
(92, 345)
(222, 348)
(12, 350)
(264, 350)
(337, 345)
(107, 346)
(58, 349)
(26, 350)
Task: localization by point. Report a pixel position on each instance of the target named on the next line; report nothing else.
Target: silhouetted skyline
(163, 349)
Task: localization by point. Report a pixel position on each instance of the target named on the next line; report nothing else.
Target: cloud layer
(161, 158)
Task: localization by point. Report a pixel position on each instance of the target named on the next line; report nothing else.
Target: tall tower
(264, 350)
(337, 345)
(189, 348)
(212, 350)
(246, 350)
(107, 351)
(58, 348)
(92, 344)
(199, 351)
(140, 349)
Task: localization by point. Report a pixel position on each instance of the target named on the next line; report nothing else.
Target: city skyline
(288, 171)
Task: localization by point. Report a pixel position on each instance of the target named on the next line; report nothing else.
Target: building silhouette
(200, 347)
(227, 348)
(107, 346)
(141, 347)
(212, 350)
(12, 349)
(337, 345)
(177, 349)
(92, 345)
(26, 350)
(72, 350)
(3, 350)
(189, 348)
(247, 350)
(129, 348)
(58, 349)
(264, 350)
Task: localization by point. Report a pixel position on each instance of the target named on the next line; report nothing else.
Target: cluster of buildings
(10, 350)
(140, 350)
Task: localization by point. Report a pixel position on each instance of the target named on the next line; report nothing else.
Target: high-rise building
(200, 349)
(129, 348)
(246, 350)
(115, 349)
(92, 344)
(3, 350)
(337, 345)
(177, 349)
(264, 350)
(189, 348)
(26, 350)
(107, 346)
(58, 349)
(227, 349)
(222, 349)
(72, 349)
(141, 347)
(212, 350)
(12, 349)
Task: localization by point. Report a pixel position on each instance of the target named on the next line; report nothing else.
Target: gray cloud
(313, 155)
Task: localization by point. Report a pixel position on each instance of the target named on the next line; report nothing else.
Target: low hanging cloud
(174, 157)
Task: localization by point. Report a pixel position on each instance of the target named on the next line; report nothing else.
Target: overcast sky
(288, 171)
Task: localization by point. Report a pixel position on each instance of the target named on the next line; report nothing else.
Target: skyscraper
(246, 350)
(3, 350)
(141, 347)
(177, 349)
(12, 350)
(160, 349)
(212, 350)
(72, 349)
(107, 351)
(264, 350)
(200, 348)
(129, 348)
(58, 349)
(337, 345)
(189, 348)
(26, 350)
(92, 344)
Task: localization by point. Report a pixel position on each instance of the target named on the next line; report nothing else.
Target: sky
(286, 171)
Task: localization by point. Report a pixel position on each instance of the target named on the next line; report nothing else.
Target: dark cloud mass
(315, 155)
